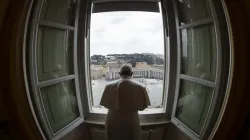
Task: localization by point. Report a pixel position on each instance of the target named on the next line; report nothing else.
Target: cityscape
(148, 70)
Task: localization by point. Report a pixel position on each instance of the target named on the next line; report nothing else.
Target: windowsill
(147, 122)
(152, 116)
(144, 112)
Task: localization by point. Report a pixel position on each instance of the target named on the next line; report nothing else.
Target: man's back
(124, 98)
(130, 96)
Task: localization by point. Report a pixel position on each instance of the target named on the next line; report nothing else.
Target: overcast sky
(126, 32)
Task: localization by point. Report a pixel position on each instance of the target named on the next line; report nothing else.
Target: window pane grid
(179, 122)
(59, 11)
(198, 63)
(198, 23)
(55, 25)
(54, 53)
(52, 66)
(193, 105)
(193, 10)
(60, 104)
(197, 80)
(55, 81)
(199, 52)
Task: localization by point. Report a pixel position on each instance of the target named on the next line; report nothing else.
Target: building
(113, 69)
(158, 66)
(142, 65)
(111, 57)
(142, 70)
(97, 71)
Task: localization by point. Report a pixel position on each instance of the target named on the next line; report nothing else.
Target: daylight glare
(133, 38)
(126, 32)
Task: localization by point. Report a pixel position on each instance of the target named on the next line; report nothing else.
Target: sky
(126, 32)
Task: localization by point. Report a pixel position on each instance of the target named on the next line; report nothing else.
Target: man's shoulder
(137, 84)
(133, 83)
(113, 83)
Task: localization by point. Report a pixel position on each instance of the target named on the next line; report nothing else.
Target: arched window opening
(179, 50)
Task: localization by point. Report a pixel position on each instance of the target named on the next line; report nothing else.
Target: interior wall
(19, 124)
(3, 111)
(3, 7)
(238, 104)
(245, 129)
(3, 119)
(173, 133)
(79, 133)
(152, 132)
(247, 6)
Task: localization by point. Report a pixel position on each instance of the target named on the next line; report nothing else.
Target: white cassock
(124, 98)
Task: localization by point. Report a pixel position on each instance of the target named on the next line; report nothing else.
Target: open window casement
(99, 6)
(203, 56)
(53, 66)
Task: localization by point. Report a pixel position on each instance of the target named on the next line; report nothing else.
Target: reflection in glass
(58, 11)
(199, 52)
(193, 10)
(54, 53)
(60, 104)
(193, 104)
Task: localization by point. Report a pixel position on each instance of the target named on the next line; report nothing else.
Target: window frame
(86, 67)
(171, 72)
(222, 67)
(35, 84)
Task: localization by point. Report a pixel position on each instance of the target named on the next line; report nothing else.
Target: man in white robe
(124, 98)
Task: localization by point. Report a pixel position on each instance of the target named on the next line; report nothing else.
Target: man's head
(126, 71)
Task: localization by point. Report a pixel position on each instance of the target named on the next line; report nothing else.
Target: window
(179, 51)
(127, 37)
(53, 67)
(198, 66)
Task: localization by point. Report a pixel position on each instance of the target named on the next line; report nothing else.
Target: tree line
(129, 58)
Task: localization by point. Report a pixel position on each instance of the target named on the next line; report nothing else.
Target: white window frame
(34, 83)
(171, 72)
(155, 113)
(222, 67)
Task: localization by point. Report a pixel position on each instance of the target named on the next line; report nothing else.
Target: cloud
(126, 32)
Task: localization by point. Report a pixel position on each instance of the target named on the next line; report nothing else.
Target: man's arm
(146, 101)
(104, 100)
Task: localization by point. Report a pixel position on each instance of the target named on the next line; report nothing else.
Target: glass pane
(199, 52)
(193, 10)
(60, 104)
(139, 42)
(193, 104)
(54, 53)
(58, 11)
